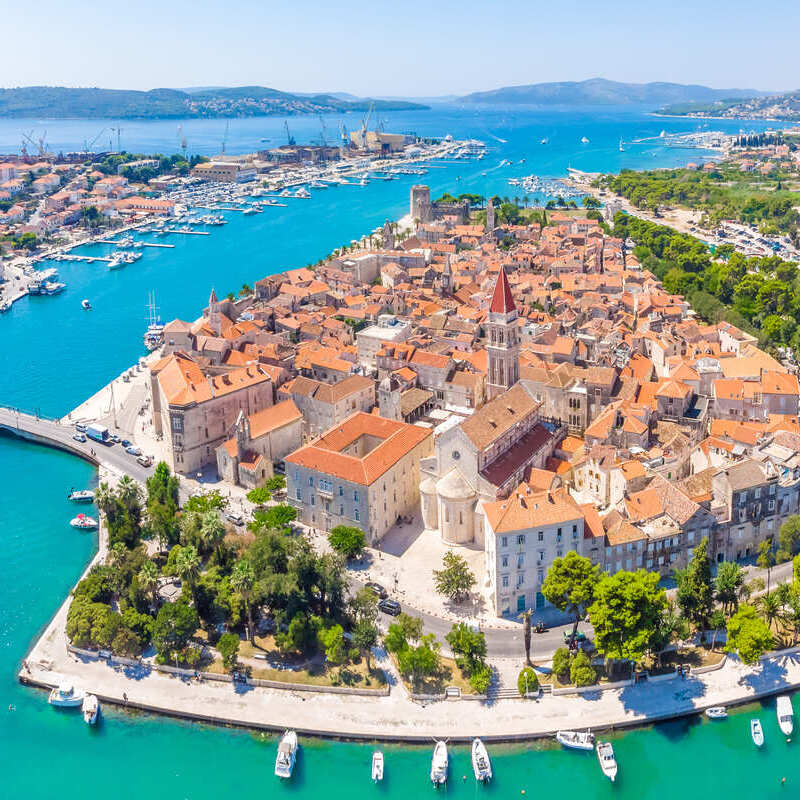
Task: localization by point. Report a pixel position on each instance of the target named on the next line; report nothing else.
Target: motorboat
(54, 287)
(576, 740)
(302, 193)
(481, 764)
(287, 754)
(544, 141)
(318, 185)
(4, 306)
(85, 304)
(377, 766)
(439, 764)
(83, 522)
(605, 755)
(584, 140)
(66, 696)
(785, 714)
(81, 495)
(717, 712)
(117, 261)
(90, 708)
(757, 732)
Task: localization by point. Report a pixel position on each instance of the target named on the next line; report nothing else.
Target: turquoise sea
(55, 355)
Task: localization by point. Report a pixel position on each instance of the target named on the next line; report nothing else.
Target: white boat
(287, 753)
(85, 304)
(117, 261)
(377, 766)
(481, 764)
(83, 522)
(576, 740)
(621, 148)
(785, 714)
(90, 708)
(81, 496)
(544, 141)
(757, 732)
(439, 763)
(66, 696)
(302, 193)
(318, 185)
(717, 712)
(605, 755)
(4, 306)
(584, 140)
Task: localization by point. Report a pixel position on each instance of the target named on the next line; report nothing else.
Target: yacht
(81, 496)
(248, 212)
(785, 714)
(576, 740)
(66, 696)
(154, 335)
(757, 732)
(481, 764)
(85, 304)
(90, 708)
(439, 763)
(285, 193)
(605, 755)
(287, 753)
(584, 140)
(4, 306)
(621, 148)
(717, 712)
(302, 193)
(377, 766)
(83, 522)
(54, 287)
(117, 261)
(318, 185)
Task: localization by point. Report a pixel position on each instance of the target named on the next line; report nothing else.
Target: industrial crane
(182, 140)
(87, 145)
(289, 136)
(225, 137)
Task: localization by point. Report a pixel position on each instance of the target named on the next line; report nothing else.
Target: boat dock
(187, 233)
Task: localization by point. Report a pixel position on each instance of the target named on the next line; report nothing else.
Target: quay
(187, 233)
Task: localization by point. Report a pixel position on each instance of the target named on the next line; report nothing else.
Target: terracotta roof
(499, 415)
(502, 299)
(525, 509)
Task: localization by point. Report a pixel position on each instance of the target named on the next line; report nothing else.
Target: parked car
(113, 438)
(145, 461)
(376, 589)
(126, 444)
(580, 636)
(133, 450)
(390, 607)
(79, 437)
(236, 519)
(80, 427)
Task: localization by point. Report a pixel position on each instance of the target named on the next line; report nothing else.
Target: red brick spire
(502, 299)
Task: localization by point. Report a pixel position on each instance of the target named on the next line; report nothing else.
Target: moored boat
(576, 740)
(90, 708)
(81, 496)
(757, 732)
(83, 522)
(716, 712)
(85, 304)
(66, 696)
(287, 754)
(605, 755)
(785, 714)
(377, 766)
(481, 764)
(439, 764)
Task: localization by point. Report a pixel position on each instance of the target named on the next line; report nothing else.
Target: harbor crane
(181, 140)
(362, 134)
(87, 145)
(323, 132)
(289, 137)
(225, 136)
(39, 144)
(118, 131)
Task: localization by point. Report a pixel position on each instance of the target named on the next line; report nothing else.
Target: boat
(302, 193)
(117, 261)
(54, 287)
(605, 755)
(287, 753)
(717, 712)
(66, 696)
(757, 732)
(439, 763)
(785, 714)
(81, 496)
(545, 141)
(576, 740)
(377, 766)
(154, 335)
(584, 140)
(248, 212)
(621, 148)
(318, 185)
(481, 765)
(90, 708)
(84, 522)
(4, 306)
(86, 304)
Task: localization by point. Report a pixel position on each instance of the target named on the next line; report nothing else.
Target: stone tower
(242, 435)
(214, 314)
(446, 279)
(389, 399)
(502, 345)
(490, 224)
(420, 208)
(388, 236)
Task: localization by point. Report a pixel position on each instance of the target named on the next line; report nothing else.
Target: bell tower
(502, 346)
(214, 319)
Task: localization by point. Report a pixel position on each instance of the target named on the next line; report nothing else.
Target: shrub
(228, 646)
(561, 662)
(259, 496)
(582, 673)
(354, 655)
(480, 678)
(528, 681)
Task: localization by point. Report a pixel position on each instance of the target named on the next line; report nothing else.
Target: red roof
(502, 299)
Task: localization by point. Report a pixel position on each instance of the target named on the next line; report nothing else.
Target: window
(540, 575)
(540, 536)
(520, 561)
(313, 501)
(504, 561)
(341, 511)
(540, 557)
(520, 579)
(310, 480)
(355, 497)
(325, 486)
(521, 539)
(296, 476)
(504, 541)
(341, 491)
(356, 515)
(298, 494)
(504, 581)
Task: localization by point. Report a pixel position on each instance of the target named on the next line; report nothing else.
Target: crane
(118, 131)
(362, 137)
(343, 134)
(289, 136)
(182, 140)
(26, 140)
(41, 144)
(225, 136)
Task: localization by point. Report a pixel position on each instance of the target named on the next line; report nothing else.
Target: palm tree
(766, 558)
(729, 584)
(187, 566)
(243, 579)
(770, 605)
(212, 531)
(129, 494)
(148, 580)
(525, 616)
(104, 498)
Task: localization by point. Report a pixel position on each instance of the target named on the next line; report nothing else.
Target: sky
(407, 48)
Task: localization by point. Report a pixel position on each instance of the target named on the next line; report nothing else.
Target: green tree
(422, 661)
(766, 558)
(770, 605)
(212, 532)
(570, 585)
(581, 671)
(788, 538)
(276, 517)
(365, 637)
(364, 606)
(527, 682)
(467, 645)
(347, 541)
(275, 483)
(209, 501)
(695, 594)
(729, 584)
(717, 623)
(259, 496)
(148, 580)
(748, 635)
(455, 580)
(626, 613)
(187, 566)
(561, 662)
(228, 646)
(404, 631)
(174, 626)
(243, 581)
(332, 641)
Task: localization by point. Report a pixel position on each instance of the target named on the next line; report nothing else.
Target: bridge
(35, 427)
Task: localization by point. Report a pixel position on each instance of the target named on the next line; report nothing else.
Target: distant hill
(601, 92)
(775, 106)
(239, 101)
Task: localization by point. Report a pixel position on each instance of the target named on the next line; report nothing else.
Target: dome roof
(428, 486)
(453, 486)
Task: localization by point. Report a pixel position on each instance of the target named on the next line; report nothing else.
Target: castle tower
(214, 316)
(446, 279)
(490, 223)
(388, 236)
(389, 405)
(502, 345)
(420, 208)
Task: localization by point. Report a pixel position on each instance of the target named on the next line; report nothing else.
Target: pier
(187, 233)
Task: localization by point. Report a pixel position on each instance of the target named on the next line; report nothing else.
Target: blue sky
(410, 47)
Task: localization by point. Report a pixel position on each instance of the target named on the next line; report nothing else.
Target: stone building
(502, 341)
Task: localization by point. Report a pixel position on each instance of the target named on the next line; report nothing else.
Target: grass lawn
(449, 675)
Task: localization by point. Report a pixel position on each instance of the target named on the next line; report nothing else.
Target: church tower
(388, 236)
(490, 225)
(446, 278)
(214, 318)
(502, 345)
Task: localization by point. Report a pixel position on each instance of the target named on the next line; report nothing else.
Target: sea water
(55, 355)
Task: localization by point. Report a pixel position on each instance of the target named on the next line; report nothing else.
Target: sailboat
(154, 335)
(621, 148)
